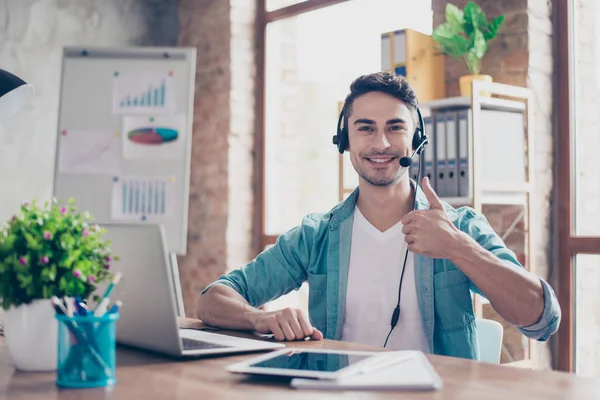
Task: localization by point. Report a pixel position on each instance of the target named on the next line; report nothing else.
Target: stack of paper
(408, 370)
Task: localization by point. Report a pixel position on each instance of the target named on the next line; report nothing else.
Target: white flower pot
(31, 335)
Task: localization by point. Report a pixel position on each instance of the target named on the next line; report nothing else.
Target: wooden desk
(146, 376)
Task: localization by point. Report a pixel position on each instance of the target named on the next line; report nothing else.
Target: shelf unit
(482, 192)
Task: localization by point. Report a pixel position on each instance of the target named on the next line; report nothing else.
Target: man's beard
(377, 179)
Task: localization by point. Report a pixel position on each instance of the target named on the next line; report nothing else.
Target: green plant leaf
(450, 42)
(475, 15)
(44, 275)
(454, 17)
(493, 28)
(52, 273)
(479, 45)
(32, 243)
(7, 243)
(63, 284)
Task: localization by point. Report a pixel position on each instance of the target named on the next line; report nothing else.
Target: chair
(489, 334)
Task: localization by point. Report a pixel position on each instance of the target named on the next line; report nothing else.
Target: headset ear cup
(419, 135)
(417, 139)
(343, 141)
(340, 138)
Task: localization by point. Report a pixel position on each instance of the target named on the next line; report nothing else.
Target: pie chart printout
(152, 136)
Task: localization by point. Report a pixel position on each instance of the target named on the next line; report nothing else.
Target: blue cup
(86, 350)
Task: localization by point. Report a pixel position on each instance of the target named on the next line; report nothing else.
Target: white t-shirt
(376, 260)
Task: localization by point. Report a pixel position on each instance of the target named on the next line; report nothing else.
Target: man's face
(380, 131)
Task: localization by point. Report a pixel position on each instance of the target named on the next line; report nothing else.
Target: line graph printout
(143, 93)
(142, 199)
(89, 152)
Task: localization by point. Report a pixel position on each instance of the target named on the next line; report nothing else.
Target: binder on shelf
(441, 169)
(413, 55)
(463, 153)
(429, 153)
(451, 188)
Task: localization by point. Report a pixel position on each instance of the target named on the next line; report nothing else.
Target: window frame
(264, 17)
(569, 243)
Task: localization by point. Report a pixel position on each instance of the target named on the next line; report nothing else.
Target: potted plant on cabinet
(465, 36)
(46, 251)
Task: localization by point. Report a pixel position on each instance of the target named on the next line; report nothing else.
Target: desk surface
(142, 375)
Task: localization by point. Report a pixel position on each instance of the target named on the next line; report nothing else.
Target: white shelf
(487, 103)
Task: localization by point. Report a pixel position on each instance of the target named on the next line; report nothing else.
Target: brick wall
(521, 55)
(241, 135)
(221, 197)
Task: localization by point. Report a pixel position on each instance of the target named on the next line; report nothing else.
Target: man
(373, 260)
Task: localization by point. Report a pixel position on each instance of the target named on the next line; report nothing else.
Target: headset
(420, 139)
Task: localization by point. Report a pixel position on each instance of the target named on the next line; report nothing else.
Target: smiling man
(392, 265)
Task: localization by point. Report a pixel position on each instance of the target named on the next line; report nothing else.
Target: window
(310, 61)
(578, 191)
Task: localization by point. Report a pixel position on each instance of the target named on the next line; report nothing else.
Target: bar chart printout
(142, 199)
(143, 93)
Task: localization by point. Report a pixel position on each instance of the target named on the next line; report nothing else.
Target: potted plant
(46, 251)
(465, 35)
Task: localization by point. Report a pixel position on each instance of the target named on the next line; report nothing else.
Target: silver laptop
(148, 317)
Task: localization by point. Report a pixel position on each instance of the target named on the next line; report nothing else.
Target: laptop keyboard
(191, 344)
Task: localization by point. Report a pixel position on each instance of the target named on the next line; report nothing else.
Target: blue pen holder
(86, 350)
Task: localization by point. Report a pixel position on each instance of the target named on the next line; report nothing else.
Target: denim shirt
(318, 252)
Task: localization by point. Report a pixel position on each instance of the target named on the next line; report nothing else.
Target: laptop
(148, 317)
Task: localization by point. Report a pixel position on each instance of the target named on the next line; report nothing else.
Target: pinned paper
(142, 199)
(143, 93)
(89, 152)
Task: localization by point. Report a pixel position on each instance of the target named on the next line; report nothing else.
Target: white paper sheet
(89, 152)
(410, 373)
(148, 199)
(161, 136)
(143, 93)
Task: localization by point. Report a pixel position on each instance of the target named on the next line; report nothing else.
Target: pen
(80, 306)
(58, 304)
(112, 284)
(115, 307)
(101, 309)
(69, 304)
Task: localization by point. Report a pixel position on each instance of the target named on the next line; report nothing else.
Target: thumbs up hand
(430, 232)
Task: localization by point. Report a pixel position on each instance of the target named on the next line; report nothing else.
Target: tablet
(307, 363)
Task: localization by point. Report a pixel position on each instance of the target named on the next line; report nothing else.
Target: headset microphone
(407, 161)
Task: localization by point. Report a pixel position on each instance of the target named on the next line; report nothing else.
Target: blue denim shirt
(318, 251)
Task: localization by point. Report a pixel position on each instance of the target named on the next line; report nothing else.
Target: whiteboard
(124, 136)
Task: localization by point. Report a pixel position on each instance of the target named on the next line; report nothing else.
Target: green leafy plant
(51, 251)
(466, 33)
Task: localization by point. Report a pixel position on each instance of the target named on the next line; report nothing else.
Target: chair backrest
(490, 335)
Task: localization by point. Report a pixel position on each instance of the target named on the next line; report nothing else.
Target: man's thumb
(432, 198)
